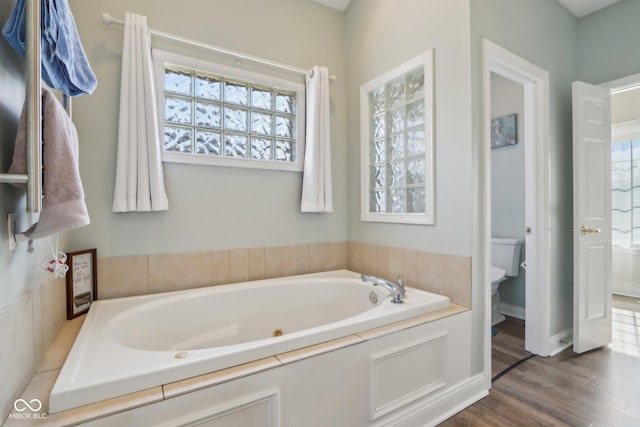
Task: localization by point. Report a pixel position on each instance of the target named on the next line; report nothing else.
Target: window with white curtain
(625, 182)
(219, 115)
(397, 144)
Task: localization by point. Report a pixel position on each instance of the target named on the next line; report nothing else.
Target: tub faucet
(395, 289)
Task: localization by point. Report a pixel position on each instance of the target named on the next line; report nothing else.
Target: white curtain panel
(316, 181)
(139, 185)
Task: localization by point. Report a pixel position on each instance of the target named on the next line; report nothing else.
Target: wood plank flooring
(507, 346)
(597, 388)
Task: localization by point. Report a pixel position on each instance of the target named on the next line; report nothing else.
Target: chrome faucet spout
(396, 290)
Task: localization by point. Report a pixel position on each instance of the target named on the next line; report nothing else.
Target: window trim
(622, 131)
(160, 57)
(428, 217)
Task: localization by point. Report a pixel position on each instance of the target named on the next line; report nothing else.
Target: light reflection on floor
(625, 326)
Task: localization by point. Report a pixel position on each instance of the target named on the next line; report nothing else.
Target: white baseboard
(434, 411)
(626, 292)
(512, 310)
(560, 341)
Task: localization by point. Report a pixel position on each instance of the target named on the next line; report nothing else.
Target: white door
(591, 217)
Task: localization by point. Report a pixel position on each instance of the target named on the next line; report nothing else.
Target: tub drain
(277, 332)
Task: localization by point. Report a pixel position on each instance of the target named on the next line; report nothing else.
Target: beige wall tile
(172, 272)
(339, 251)
(369, 254)
(327, 256)
(238, 265)
(353, 256)
(445, 274)
(16, 351)
(382, 262)
(256, 263)
(221, 265)
(395, 262)
(279, 261)
(123, 276)
(54, 309)
(301, 259)
(38, 325)
(61, 346)
(409, 267)
(27, 328)
(362, 257)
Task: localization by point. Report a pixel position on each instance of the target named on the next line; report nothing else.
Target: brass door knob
(584, 230)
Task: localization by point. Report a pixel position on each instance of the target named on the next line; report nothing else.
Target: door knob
(584, 230)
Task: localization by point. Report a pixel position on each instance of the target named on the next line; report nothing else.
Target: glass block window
(214, 114)
(625, 195)
(397, 146)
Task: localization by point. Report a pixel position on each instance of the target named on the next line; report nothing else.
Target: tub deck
(137, 343)
(42, 382)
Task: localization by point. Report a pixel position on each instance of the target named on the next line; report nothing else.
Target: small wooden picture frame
(82, 282)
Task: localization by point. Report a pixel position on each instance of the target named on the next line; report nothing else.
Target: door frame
(535, 82)
(623, 84)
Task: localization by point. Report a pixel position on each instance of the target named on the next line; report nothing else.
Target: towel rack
(33, 101)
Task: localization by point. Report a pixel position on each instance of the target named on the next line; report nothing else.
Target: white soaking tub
(131, 344)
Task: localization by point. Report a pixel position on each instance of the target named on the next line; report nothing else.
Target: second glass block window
(397, 144)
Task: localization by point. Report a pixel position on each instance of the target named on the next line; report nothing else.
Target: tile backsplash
(443, 274)
(27, 328)
(138, 275)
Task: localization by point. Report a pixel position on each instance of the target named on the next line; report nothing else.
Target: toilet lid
(497, 273)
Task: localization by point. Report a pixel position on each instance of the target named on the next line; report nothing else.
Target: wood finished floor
(597, 388)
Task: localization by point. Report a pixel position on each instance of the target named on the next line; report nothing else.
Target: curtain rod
(108, 20)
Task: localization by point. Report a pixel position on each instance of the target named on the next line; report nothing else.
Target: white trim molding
(512, 310)
(161, 58)
(625, 130)
(535, 82)
(624, 84)
(427, 217)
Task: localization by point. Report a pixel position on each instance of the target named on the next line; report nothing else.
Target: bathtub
(131, 344)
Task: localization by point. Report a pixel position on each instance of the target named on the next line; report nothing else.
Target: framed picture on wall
(82, 282)
(503, 131)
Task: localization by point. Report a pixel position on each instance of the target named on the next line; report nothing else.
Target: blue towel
(64, 63)
(14, 30)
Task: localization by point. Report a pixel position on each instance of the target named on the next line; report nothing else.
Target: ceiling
(341, 5)
(579, 8)
(582, 8)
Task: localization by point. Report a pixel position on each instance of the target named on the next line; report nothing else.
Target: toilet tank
(505, 254)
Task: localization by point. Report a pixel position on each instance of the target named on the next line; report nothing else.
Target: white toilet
(505, 260)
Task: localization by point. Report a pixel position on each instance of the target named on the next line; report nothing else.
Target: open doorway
(534, 137)
(625, 192)
(508, 223)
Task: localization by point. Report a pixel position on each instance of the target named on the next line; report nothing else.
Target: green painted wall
(608, 47)
(382, 35)
(210, 207)
(544, 33)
